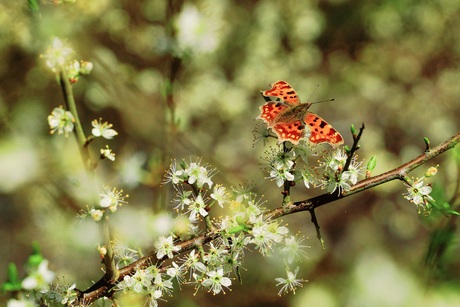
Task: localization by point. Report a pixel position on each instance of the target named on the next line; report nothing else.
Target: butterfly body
(289, 118)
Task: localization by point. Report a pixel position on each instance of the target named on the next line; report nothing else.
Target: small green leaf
(427, 143)
(353, 129)
(36, 258)
(34, 6)
(12, 272)
(240, 221)
(13, 283)
(452, 212)
(236, 229)
(371, 164)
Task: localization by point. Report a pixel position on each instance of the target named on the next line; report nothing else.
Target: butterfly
(289, 117)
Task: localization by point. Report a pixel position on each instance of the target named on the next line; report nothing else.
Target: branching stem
(79, 133)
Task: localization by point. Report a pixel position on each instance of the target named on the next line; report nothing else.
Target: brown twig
(354, 147)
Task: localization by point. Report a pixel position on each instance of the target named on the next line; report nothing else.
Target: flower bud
(86, 67)
(431, 171)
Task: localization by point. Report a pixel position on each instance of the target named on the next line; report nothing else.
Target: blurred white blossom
(39, 278)
(57, 55)
(195, 32)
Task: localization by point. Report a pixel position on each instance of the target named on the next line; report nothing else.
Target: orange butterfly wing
(270, 110)
(292, 131)
(321, 131)
(282, 89)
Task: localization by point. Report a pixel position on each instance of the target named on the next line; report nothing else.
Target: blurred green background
(182, 79)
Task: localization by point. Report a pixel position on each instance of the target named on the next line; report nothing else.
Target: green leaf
(36, 258)
(34, 5)
(13, 283)
(236, 229)
(12, 272)
(372, 163)
(427, 142)
(183, 164)
(445, 208)
(353, 129)
(452, 212)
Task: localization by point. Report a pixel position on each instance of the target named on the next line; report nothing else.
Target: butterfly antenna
(328, 100)
(313, 93)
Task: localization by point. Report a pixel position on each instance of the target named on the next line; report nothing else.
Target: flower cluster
(77, 68)
(191, 173)
(105, 131)
(39, 281)
(291, 164)
(63, 121)
(194, 202)
(58, 57)
(334, 175)
(149, 281)
(39, 277)
(281, 166)
(63, 294)
(245, 228)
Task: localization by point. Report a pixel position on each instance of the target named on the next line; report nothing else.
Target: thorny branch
(103, 287)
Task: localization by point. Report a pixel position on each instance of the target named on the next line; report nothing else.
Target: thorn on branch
(89, 139)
